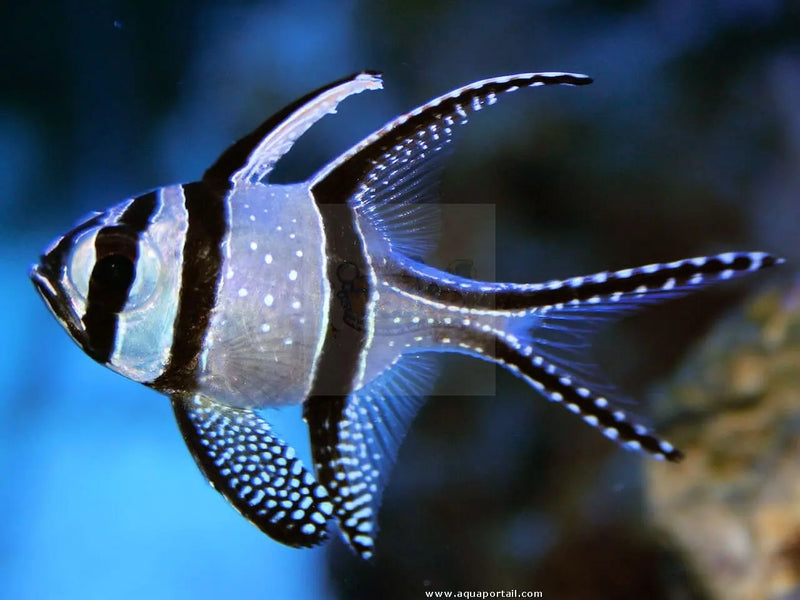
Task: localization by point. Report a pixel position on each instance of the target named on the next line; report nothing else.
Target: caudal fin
(549, 326)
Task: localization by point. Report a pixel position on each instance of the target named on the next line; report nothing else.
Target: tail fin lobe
(627, 289)
(558, 385)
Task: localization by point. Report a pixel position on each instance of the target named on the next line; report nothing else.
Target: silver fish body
(270, 301)
(232, 294)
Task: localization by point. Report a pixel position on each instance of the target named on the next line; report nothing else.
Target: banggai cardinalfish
(231, 294)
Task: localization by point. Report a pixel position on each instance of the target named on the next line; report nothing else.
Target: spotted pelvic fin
(256, 471)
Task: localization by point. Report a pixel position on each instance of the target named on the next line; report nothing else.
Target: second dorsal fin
(391, 175)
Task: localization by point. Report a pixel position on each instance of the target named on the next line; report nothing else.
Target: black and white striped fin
(256, 471)
(354, 442)
(561, 328)
(599, 295)
(251, 159)
(392, 171)
(625, 289)
(393, 158)
(546, 340)
(550, 329)
(559, 385)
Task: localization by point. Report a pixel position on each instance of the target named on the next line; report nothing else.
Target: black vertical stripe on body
(339, 186)
(337, 364)
(207, 224)
(139, 212)
(116, 253)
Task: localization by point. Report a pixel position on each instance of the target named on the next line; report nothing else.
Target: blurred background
(687, 143)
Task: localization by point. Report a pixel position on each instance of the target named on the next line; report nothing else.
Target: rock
(732, 507)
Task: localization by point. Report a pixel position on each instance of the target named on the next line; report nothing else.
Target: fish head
(108, 285)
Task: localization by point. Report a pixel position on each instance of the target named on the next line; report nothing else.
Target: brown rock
(732, 508)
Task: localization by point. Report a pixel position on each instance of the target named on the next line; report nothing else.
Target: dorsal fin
(252, 158)
(390, 175)
(426, 127)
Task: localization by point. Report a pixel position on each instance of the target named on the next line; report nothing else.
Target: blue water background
(687, 143)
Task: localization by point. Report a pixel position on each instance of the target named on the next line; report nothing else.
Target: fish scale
(231, 294)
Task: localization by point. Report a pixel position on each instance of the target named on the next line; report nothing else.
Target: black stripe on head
(200, 277)
(116, 253)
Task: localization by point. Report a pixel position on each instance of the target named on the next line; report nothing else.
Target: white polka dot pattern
(257, 472)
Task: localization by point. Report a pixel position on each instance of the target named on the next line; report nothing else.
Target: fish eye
(115, 268)
(113, 274)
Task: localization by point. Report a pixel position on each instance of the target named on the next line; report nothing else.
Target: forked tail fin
(546, 329)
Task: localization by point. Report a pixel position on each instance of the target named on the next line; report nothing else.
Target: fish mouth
(46, 282)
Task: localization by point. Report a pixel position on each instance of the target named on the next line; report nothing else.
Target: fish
(232, 294)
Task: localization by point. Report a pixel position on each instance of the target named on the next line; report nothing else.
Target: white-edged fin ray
(354, 442)
(594, 407)
(545, 342)
(399, 200)
(256, 471)
(611, 293)
(252, 158)
(392, 171)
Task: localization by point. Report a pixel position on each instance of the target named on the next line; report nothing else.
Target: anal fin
(354, 443)
(254, 470)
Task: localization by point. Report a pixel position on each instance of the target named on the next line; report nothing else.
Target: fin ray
(563, 314)
(567, 349)
(558, 384)
(613, 293)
